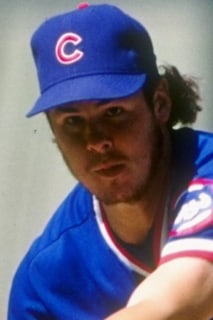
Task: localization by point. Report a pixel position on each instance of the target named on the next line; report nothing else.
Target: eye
(114, 111)
(74, 121)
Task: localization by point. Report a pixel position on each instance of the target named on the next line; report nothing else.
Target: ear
(162, 102)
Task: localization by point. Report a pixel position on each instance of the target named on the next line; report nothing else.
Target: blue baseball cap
(94, 52)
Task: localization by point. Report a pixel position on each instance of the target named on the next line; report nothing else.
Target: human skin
(181, 289)
(120, 150)
(113, 147)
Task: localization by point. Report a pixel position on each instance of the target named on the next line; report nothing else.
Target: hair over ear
(162, 102)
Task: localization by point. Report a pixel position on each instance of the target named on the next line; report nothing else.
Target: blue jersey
(77, 269)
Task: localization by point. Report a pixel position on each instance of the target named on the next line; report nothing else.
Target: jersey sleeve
(24, 302)
(191, 233)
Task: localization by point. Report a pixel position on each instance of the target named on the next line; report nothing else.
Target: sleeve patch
(194, 210)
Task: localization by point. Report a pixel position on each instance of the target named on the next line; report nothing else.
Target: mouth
(109, 169)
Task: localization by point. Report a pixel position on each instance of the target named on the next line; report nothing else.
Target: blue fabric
(97, 52)
(70, 272)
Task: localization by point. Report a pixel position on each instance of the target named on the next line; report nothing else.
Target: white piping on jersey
(188, 244)
(117, 251)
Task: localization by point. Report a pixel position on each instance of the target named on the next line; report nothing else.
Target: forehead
(81, 105)
(97, 104)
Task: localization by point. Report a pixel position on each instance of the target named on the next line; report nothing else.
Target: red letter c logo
(68, 58)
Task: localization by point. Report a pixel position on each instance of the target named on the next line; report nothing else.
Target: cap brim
(93, 87)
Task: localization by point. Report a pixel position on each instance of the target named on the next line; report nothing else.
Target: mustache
(96, 160)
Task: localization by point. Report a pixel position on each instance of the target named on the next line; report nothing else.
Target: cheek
(68, 142)
(72, 150)
(136, 136)
(144, 145)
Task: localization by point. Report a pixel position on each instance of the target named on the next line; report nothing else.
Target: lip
(109, 169)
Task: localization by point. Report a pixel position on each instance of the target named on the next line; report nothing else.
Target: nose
(101, 146)
(97, 140)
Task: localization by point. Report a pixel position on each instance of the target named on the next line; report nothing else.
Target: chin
(118, 196)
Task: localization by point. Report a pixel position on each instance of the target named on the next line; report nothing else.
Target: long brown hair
(184, 94)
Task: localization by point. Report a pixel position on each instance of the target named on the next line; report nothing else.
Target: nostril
(101, 147)
(107, 145)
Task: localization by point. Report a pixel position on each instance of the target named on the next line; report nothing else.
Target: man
(141, 216)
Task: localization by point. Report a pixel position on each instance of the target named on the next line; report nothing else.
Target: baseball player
(134, 238)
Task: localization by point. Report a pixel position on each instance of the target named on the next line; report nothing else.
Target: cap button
(83, 5)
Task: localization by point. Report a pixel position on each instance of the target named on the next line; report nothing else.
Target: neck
(132, 221)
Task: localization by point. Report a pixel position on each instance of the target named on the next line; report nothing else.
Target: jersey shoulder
(72, 213)
(204, 159)
(193, 152)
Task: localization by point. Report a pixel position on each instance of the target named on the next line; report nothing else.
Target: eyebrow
(71, 107)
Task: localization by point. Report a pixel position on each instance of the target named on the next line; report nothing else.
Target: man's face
(112, 147)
